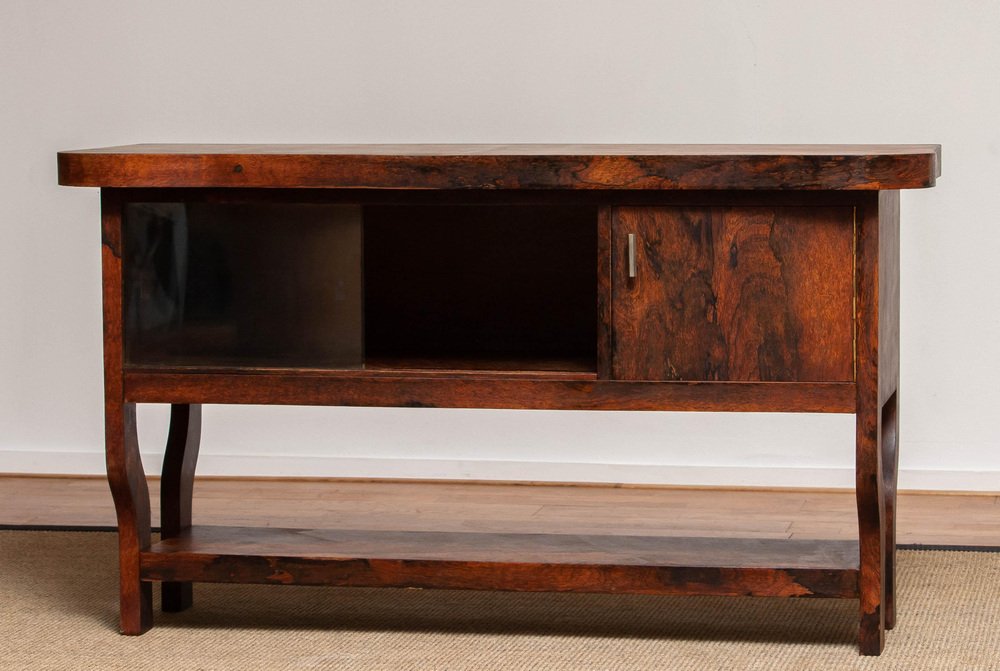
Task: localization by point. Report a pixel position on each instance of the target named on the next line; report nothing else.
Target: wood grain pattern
(888, 383)
(734, 293)
(636, 167)
(888, 295)
(177, 489)
(877, 374)
(519, 562)
(868, 486)
(889, 439)
(124, 466)
(366, 388)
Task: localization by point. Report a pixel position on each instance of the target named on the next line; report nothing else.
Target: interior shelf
(508, 561)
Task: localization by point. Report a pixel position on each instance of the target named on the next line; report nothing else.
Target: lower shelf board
(507, 561)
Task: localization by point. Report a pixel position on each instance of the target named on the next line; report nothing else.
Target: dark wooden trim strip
(587, 167)
(605, 299)
(459, 391)
(414, 197)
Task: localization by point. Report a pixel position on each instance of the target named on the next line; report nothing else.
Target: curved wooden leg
(877, 379)
(176, 488)
(131, 496)
(871, 524)
(890, 466)
(125, 474)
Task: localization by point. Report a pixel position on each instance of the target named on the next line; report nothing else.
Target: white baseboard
(85, 463)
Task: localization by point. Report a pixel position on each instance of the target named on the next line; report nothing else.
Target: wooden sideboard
(613, 277)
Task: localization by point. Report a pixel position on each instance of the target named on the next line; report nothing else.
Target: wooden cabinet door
(733, 293)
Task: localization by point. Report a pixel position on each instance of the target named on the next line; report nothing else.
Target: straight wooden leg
(176, 488)
(890, 464)
(131, 496)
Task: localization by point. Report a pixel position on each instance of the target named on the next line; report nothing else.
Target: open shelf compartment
(499, 287)
(491, 287)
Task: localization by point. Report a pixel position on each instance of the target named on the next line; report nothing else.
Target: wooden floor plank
(960, 519)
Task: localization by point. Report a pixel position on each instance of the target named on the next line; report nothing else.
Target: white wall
(82, 74)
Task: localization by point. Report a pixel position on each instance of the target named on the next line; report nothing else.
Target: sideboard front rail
(555, 391)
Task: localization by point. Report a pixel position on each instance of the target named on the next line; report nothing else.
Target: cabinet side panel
(888, 318)
(734, 293)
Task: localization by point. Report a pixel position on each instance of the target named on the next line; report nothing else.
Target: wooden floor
(924, 518)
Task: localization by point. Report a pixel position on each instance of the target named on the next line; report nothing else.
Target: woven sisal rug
(58, 610)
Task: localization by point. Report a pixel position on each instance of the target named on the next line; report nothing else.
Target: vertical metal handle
(631, 255)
